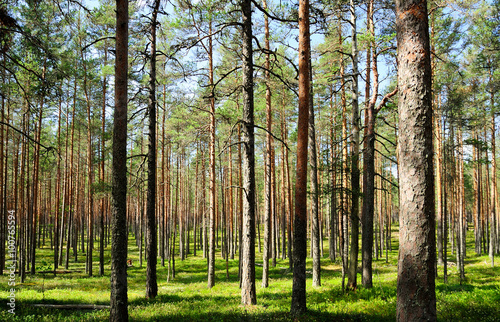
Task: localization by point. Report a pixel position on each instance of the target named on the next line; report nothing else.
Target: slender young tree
(298, 306)
(101, 166)
(416, 297)
(313, 160)
(371, 111)
(213, 190)
(118, 302)
(151, 245)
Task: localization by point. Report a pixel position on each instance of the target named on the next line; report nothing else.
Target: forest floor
(187, 298)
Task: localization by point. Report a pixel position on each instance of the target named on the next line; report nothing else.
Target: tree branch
(258, 6)
(274, 136)
(386, 99)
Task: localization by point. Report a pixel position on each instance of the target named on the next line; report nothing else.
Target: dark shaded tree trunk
(313, 160)
(118, 302)
(298, 306)
(248, 293)
(416, 297)
(151, 232)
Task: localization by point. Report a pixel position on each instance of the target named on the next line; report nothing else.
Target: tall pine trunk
(355, 189)
(151, 231)
(298, 306)
(213, 195)
(416, 297)
(248, 293)
(313, 160)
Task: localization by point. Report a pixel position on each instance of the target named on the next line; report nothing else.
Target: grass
(187, 298)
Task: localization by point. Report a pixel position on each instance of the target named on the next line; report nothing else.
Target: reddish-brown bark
(300, 220)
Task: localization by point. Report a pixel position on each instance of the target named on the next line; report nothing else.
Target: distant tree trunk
(71, 183)
(196, 199)
(90, 170)
(438, 147)
(34, 199)
(268, 213)
(344, 224)
(19, 176)
(439, 186)
(240, 206)
(494, 191)
(355, 189)
(298, 306)
(274, 219)
(3, 188)
(101, 172)
(284, 211)
(445, 216)
(315, 238)
(203, 197)
(416, 297)
(165, 185)
(248, 293)
(477, 197)
(118, 302)
(213, 195)
(287, 189)
(59, 183)
(231, 205)
(151, 231)
(462, 219)
(333, 181)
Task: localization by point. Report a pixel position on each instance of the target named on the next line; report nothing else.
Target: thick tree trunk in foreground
(416, 297)
(118, 302)
(248, 293)
(300, 221)
(151, 232)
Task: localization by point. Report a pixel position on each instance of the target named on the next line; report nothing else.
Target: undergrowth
(187, 298)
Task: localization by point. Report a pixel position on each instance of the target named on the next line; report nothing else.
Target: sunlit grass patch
(187, 297)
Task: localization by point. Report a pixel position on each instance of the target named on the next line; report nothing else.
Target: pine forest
(249, 160)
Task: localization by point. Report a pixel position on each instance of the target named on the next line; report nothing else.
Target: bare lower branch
(48, 148)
